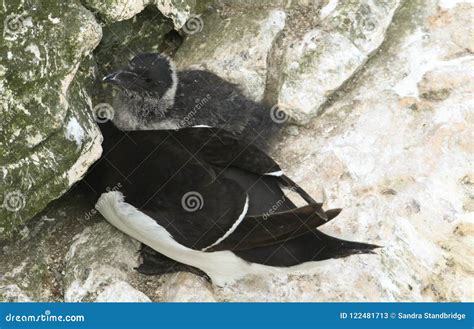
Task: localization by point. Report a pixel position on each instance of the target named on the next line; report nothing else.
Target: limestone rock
(13, 293)
(362, 22)
(187, 287)
(48, 137)
(452, 277)
(98, 260)
(393, 151)
(235, 48)
(320, 61)
(111, 11)
(32, 265)
(123, 292)
(27, 281)
(179, 11)
(313, 68)
(116, 10)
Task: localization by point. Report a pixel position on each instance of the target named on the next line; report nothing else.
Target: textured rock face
(48, 138)
(234, 47)
(391, 143)
(48, 135)
(32, 266)
(179, 11)
(319, 61)
(325, 59)
(393, 150)
(186, 287)
(122, 292)
(116, 10)
(98, 266)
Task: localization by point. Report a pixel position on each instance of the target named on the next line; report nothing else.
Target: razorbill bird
(152, 94)
(204, 199)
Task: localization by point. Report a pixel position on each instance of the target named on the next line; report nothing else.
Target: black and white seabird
(236, 220)
(154, 95)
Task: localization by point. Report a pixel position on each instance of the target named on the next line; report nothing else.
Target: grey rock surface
(48, 138)
(179, 11)
(234, 47)
(94, 265)
(320, 60)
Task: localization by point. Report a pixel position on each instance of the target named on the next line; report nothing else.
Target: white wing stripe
(233, 227)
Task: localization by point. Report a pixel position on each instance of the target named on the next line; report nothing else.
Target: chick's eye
(148, 80)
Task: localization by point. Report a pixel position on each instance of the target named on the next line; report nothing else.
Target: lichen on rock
(324, 58)
(234, 47)
(43, 90)
(179, 11)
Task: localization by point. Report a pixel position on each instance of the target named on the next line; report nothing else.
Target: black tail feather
(313, 246)
(332, 213)
(338, 248)
(290, 184)
(256, 231)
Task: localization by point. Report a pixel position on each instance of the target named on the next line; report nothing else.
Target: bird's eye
(148, 80)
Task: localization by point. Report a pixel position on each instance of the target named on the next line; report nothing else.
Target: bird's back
(205, 98)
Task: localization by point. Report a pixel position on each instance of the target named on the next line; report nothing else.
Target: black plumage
(157, 168)
(153, 95)
(163, 157)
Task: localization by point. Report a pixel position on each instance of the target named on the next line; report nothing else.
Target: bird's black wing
(223, 149)
(160, 178)
(270, 229)
(185, 197)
